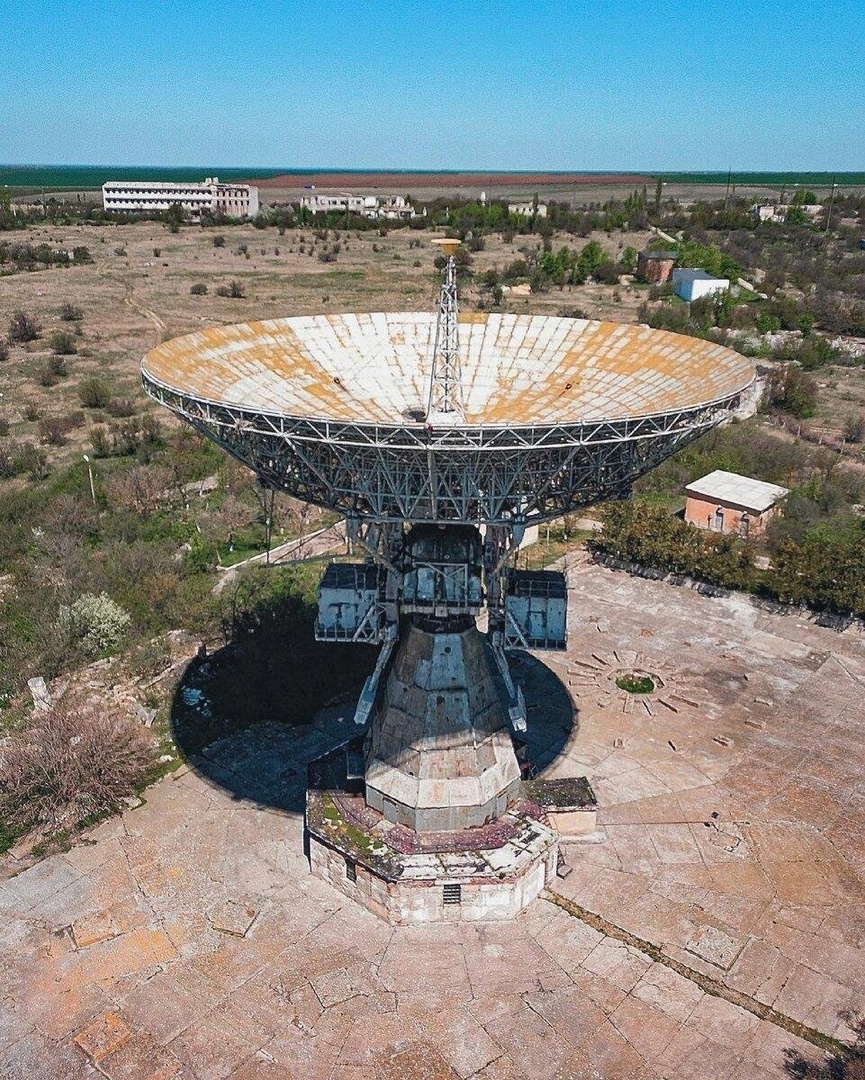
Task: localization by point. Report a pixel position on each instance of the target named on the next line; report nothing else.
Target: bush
(75, 760)
(793, 391)
(120, 407)
(23, 327)
(58, 366)
(63, 343)
(93, 393)
(198, 289)
(234, 290)
(46, 377)
(219, 241)
(4, 351)
(53, 369)
(71, 313)
(854, 427)
(100, 440)
(53, 430)
(96, 623)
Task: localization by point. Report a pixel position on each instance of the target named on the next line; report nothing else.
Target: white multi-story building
(153, 196)
(369, 206)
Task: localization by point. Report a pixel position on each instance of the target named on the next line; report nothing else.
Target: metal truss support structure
(388, 474)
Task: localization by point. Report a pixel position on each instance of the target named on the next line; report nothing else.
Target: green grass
(635, 684)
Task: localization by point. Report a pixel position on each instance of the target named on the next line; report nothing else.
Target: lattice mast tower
(445, 400)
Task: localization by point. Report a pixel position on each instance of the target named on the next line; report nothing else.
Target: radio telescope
(441, 437)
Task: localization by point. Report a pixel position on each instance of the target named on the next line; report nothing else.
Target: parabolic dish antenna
(441, 437)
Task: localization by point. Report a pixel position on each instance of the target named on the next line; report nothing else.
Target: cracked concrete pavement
(187, 939)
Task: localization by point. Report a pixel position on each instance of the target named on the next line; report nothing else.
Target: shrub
(46, 377)
(93, 393)
(53, 430)
(81, 256)
(120, 251)
(234, 290)
(96, 623)
(120, 407)
(29, 458)
(219, 241)
(4, 426)
(71, 313)
(31, 412)
(791, 390)
(157, 252)
(63, 343)
(854, 427)
(4, 351)
(75, 760)
(100, 440)
(23, 327)
(58, 366)
(198, 289)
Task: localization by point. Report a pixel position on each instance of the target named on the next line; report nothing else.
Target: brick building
(728, 503)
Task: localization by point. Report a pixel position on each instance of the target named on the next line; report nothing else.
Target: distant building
(656, 266)
(392, 207)
(151, 196)
(728, 503)
(777, 212)
(526, 209)
(691, 284)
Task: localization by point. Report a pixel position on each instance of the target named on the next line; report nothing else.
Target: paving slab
(194, 919)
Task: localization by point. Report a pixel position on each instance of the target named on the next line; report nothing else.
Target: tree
(174, 217)
(791, 390)
(628, 260)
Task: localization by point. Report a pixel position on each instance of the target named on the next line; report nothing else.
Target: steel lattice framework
(446, 392)
(416, 472)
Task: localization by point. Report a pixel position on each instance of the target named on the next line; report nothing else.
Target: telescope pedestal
(439, 756)
(439, 827)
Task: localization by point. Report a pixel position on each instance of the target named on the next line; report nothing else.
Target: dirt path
(158, 323)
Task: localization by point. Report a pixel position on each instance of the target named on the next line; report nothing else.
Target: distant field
(91, 177)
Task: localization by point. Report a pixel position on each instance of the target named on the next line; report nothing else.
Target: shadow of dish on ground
(252, 715)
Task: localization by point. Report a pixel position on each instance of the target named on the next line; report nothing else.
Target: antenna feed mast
(445, 405)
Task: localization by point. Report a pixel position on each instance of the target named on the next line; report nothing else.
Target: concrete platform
(189, 939)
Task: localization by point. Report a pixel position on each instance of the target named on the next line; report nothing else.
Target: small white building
(692, 284)
(156, 196)
(526, 209)
(392, 207)
(777, 212)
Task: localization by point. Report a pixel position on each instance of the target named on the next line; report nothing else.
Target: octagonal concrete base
(490, 873)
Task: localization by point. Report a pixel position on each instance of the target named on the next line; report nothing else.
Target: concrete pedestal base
(488, 873)
(439, 755)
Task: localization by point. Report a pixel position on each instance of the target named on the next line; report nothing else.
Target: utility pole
(90, 474)
(831, 204)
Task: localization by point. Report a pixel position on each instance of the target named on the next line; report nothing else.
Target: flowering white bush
(97, 622)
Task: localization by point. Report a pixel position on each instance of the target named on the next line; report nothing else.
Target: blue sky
(490, 84)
